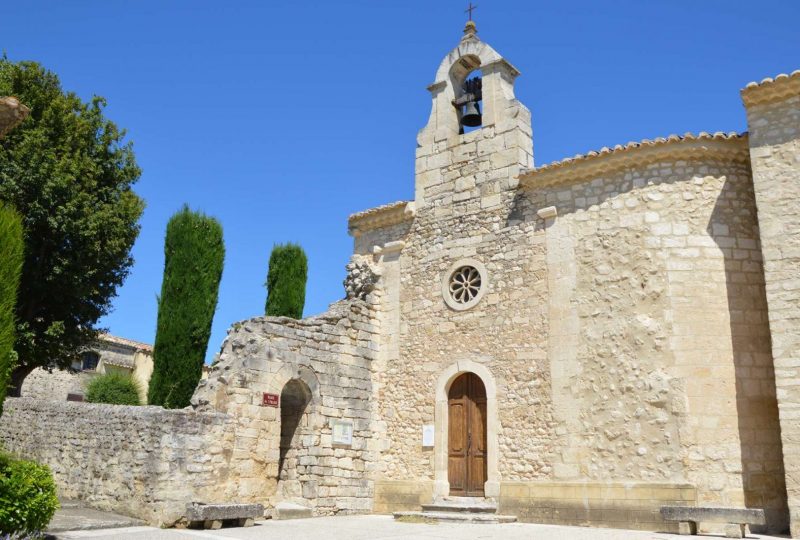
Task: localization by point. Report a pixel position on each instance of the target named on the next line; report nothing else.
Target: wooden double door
(466, 441)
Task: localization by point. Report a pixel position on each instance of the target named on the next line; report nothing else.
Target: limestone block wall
(773, 117)
(145, 462)
(331, 356)
(659, 346)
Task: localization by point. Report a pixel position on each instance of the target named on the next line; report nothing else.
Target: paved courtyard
(372, 527)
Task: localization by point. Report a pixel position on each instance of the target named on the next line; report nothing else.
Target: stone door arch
(441, 486)
(466, 439)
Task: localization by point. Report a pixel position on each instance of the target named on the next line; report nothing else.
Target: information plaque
(427, 436)
(343, 432)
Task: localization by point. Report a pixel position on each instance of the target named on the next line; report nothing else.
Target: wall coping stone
(380, 216)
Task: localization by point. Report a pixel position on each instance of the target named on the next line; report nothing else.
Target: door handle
(469, 442)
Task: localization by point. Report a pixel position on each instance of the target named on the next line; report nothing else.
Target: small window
(89, 360)
(75, 397)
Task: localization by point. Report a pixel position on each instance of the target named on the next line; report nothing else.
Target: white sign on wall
(343, 432)
(427, 435)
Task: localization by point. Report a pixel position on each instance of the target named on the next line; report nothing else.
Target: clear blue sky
(282, 118)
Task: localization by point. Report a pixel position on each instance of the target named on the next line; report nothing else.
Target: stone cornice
(768, 90)
(689, 147)
(381, 216)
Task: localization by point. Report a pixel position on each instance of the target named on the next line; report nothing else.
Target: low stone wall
(146, 462)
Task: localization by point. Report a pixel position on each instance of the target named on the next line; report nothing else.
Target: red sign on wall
(270, 400)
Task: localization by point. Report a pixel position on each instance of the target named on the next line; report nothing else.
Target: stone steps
(461, 504)
(457, 517)
(458, 510)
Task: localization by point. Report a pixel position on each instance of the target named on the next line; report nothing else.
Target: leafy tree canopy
(69, 173)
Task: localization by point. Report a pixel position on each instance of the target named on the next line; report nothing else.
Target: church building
(576, 343)
(580, 342)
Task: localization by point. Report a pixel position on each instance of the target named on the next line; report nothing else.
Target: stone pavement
(73, 516)
(375, 527)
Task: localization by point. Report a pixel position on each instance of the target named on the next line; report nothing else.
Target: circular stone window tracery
(464, 283)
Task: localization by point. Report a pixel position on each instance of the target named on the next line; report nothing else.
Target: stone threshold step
(456, 517)
(481, 507)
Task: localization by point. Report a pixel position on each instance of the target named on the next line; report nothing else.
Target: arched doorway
(295, 398)
(466, 439)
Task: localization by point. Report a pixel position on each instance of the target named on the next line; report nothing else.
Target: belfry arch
(444, 384)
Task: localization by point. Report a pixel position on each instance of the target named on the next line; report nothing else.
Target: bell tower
(478, 136)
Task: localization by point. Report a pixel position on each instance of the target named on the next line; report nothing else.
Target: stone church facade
(612, 306)
(582, 342)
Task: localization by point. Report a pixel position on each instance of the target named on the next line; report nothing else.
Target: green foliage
(194, 254)
(69, 173)
(114, 388)
(11, 246)
(286, 281)
(27, 495)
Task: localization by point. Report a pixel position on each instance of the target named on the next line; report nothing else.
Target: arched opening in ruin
(295, 412)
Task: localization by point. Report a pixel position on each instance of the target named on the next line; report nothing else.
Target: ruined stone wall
(145, 462)
(773, 117)
(331, 355)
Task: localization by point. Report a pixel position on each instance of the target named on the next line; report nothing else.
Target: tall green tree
(11, 247)
(69, 173)
(194, 254)
(286, 281)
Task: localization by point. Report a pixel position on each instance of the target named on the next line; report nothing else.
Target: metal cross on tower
(469, 10)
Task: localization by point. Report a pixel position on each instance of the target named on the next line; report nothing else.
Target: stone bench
(735, 518)
(212, 516)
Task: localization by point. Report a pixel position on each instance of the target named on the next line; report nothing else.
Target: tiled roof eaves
(126, 342)
(728, 145)
(772, 89)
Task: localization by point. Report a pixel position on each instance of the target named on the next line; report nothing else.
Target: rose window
(465, 284)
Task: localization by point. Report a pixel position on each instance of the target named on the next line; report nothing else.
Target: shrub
(114, 388)
(286, 281)
(27, 497)
(194, 253)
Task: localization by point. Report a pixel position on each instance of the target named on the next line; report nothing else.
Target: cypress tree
(286, 281)
(194, 252)
(11, 247)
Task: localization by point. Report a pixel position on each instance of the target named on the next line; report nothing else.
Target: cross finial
(470, 10)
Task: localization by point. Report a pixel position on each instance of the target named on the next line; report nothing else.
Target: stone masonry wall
(628, 336)
(145, 462)
(664, 369)
(55, 385)
(773, 117)
(331, 356)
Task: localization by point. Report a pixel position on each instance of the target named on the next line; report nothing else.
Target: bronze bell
(472, 114)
